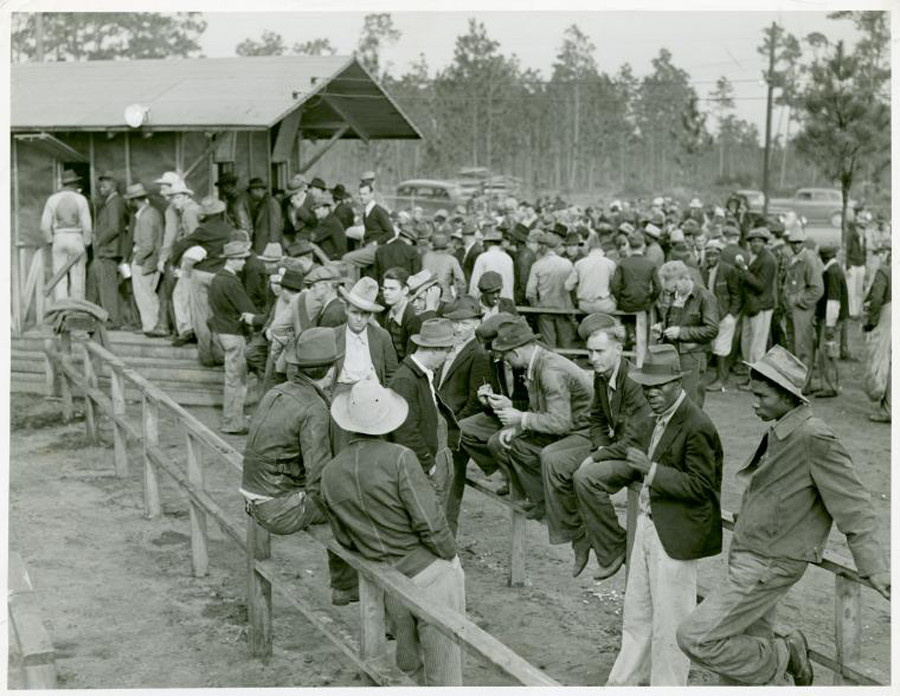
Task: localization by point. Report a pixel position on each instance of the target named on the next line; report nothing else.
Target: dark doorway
(82, 169)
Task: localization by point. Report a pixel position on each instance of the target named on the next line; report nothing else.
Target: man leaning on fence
(799, 480)
(381, 505)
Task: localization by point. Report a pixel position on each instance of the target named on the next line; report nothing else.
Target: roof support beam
(287, 133)
(306, 166)
(351, 120)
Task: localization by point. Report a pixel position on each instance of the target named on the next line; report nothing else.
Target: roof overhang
(52, 146)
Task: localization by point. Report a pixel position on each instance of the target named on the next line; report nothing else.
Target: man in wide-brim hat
(679, 460)
(66, 225)
(381, 505)
(799, 480)
(323, 283)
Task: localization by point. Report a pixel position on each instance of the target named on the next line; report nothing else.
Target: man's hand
(161, 266)
(672, 332)
(498, 402)
(638, 460)
(247, 317)
(882, 583)
(506, 436)
(509, 416)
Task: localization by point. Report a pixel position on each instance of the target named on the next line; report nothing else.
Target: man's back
(635, 285)
(547, 282)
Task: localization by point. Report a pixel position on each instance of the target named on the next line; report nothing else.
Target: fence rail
(31, 642)
(369, 652)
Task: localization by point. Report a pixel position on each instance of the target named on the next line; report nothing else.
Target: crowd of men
(391, 352)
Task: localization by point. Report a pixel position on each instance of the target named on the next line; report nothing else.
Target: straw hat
(363, 295)
(369, 408)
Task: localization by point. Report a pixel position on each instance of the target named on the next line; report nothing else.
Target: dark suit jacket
(329, 235)
(522, 263)
(419, 431)
(332, 314)
(461, 379)
(410, 324)
(110, 224)
(396, 253)
(381, 350)
(468, 261)
(728, 288)
(684, 495)
(635, 284)
(759, 283)
(256, 282)
(344, 212)
(856, 249)
(379, 227)
(267, 223)
(614, 419)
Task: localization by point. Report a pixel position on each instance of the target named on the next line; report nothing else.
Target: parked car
(430, 195)
(817, 205)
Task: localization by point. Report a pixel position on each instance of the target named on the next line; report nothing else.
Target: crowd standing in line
(391, 351)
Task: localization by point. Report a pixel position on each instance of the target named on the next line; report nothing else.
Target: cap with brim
(730, 231)
(535, 237)
(758, 233)
(513, 335)
(367, 175)
(296, 184)
(714, 245)
(236, 250)
(272, 253)
(435, 333)
(317, 183)
(409, 232)
(465, 307)
(490, 281)
(315, 347)
(784, 369)
(552, 240)
(330, 271)
(439, 241)
(362, 295)
(441, 215)
(595, 322)
(490, 326)
(661, 365)
(369, 409)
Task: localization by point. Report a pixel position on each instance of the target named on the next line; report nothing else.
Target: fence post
(152, 507)
(90, 413)
(631, 515)
(117, 391)
(847, 607)
(516, 541)
(65, 340)
(39, 289)
(52, 376)
(372, 643)
(259, 592)
(199, 538)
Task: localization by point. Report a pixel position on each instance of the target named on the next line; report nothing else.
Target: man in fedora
(425, 430)
(265, 215)
(798, 481)
(466, 369)
(279, 330)
(237, 213)
(495, 259)
(147, 234)
(401, 320)
(803, 286)
(328, 233)
(232, 313)
(581, 514)
(343, 211)
(560, 395)
(400, 252)
(491, 303)
(323, 282)
(110, 223)
(679, 519)
(212, 235)
(67, 227)
(424, 295)
(298, 217)
(381, 505)
(445, 268)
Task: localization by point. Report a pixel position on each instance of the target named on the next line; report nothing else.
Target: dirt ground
(123, 610)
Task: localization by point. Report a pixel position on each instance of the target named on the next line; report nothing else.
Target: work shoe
(716, 386)
(240, 430)
(799, 666)
(534, 512)
(825, 393)
(341, 598)
(183, 340)
(582, 549)
(504, 489)
(879, 418)
(608, 571)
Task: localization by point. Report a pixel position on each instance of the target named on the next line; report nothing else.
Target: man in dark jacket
(342, 208)
(378, 229)
(237, 213)
(635, 283)
(471, 249)
(689, 321)
(400, 321)
(425, 430)
(724, 282)
(265, 214)
(323, 282)
(523, 258)
(584, 519)
(400, 252)
(467, 368)
(109, 226)
(878, 327)
(832, 309)
(328, 233)
(679, 521)
(759, 278)
(490, 302)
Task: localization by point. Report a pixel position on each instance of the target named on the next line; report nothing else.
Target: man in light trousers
(66, 225)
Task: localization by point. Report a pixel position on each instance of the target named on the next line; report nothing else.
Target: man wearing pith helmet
(799, 480)
(381, 505)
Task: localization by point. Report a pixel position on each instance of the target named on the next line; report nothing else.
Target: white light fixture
(136, 115)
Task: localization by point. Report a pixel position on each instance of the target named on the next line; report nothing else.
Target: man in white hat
(232, 313)
(381, 505)
(67, 227)
(798, 481)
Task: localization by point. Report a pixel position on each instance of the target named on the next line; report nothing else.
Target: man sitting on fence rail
(799, 479)
(381, 505)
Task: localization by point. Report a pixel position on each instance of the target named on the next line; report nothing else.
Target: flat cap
(595, 322)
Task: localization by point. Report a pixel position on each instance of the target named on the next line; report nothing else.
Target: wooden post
(51, 376)
(65, 342)
(90, 418)
(117, 392)
(199, 537)
(259, 592)
(372, 644)
(152, 507)
(516, 542)
(847, 608)
(39, 287)
(631, 515)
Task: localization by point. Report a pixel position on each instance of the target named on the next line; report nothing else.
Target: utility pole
(39, 36)
(770, 79)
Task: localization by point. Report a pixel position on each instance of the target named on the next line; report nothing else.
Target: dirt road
(118, 597)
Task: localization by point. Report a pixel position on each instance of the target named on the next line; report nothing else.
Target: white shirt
(591, 276)
(369, 206)
(357, 359)
(662, 422)
(493, 259)
(428, 373)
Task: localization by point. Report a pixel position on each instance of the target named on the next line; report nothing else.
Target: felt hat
(435, 333)
(109, 175)
(828, 251)
(135, 191)
(513, 335)
(236, 250)
(441, 215)
(272, 253)
(409, 232)
(661, 365)
(784, 369)
(363, 295)
(652, 230)
(338, 192)
(519, 233)
(169, 179)
(228, 178)
(798, 234)
(256, 182)
(493, 236)
(328, 272)
(561, 229)
(464, 307)
(626, 227)
(439, 241)
(299, 247)
(369, 408)
(315, 347)
(488, 329)
(573, 238)
(490, 281)
(367, 175)
(297, 183)
(420, 282)
(317, 183)
(595, 322)
(469, 228)
(292, 279)
(676, 237)
(70, 177)
(715, 245)
(758, 233)
(690, 226)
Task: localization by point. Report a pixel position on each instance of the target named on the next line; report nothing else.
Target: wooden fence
(369, 651)
(31, 644)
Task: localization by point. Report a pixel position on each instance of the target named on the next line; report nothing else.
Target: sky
(706, 44)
